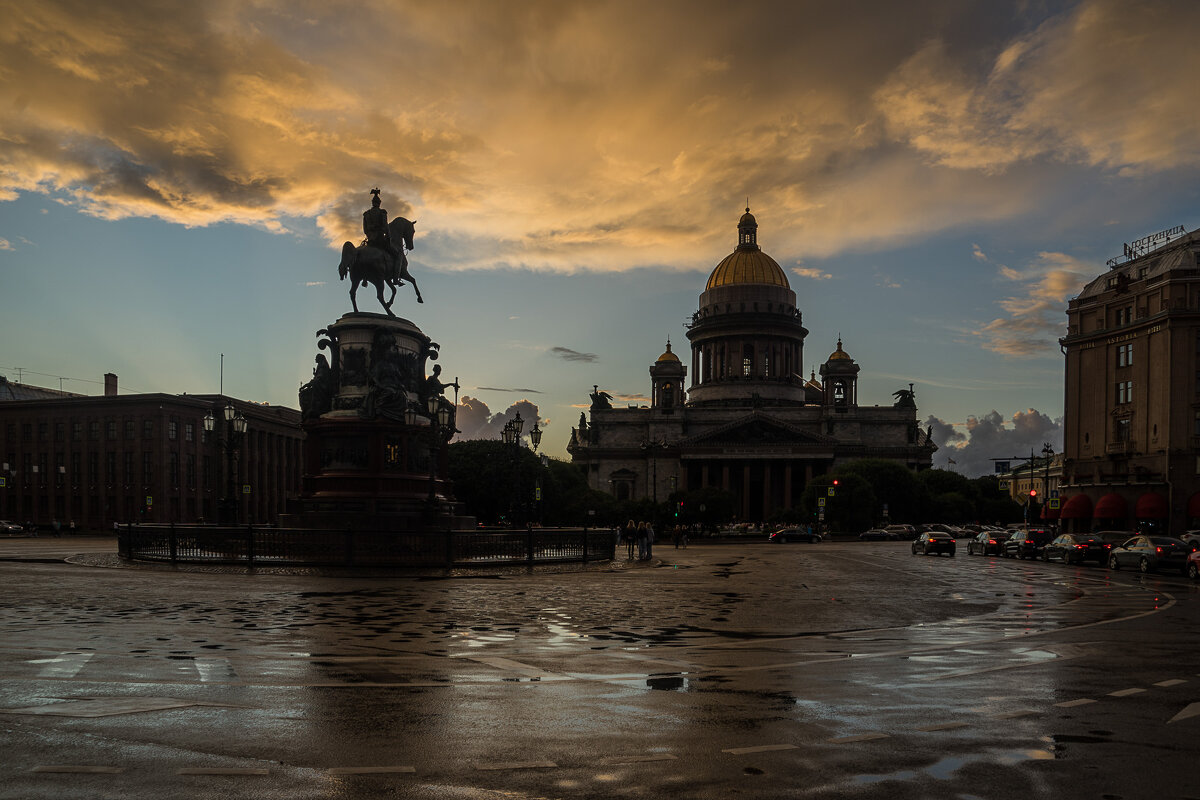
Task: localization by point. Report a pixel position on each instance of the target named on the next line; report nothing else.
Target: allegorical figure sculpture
(316, 396)
(600, 400)
(378, 260)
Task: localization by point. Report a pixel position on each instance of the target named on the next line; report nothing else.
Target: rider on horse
(375, 227)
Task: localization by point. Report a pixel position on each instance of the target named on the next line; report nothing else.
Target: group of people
(641, 536)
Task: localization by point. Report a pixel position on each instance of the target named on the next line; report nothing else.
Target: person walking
(649, 540)
(629, 534)
(641, 541)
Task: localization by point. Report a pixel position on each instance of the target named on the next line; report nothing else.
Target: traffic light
(835, 481)
(1033, 492)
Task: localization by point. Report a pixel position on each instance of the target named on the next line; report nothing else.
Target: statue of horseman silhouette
(378, 260)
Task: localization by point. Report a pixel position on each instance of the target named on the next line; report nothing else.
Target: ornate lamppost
(441, 426)
(512, 436)
(1047, 454)
(234, 429)
(535, 438)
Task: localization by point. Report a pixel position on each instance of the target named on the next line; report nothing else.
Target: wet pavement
(828, 670)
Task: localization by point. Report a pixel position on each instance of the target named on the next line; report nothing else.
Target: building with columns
(749, 422)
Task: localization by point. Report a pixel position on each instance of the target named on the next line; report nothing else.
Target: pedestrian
(629, 534)
(57, 527)
(649, 540)
(683, 536)
(641, 541)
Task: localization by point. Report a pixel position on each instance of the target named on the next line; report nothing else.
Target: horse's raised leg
(353, 292)
(379, 293)
(406, 275)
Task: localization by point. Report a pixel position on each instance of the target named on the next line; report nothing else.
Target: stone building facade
(1132, 393)
(96, 460)
(749, 422)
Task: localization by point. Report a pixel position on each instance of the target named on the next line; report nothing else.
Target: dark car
(1149, 553)
(795, 535)
(1026, 544)
(1075, 548)
(1193, 565)
(878, 535)
(986, 543)
(10, 528)
(934, 542)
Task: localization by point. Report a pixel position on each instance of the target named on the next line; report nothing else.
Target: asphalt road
(829, 670)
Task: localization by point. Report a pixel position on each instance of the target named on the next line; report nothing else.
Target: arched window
(668, 396)
(747, 361)
(839, 393)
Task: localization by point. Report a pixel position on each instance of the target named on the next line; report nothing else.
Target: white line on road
(221, 771)
(371, 770)
(65, 665)
(1172, 682)
(517, 765)
(1073, 703)
(1192, 710)
(83, 769)
(865, 737)
(762, 748)
(944, 726)
(616, 761)
(1125, 692)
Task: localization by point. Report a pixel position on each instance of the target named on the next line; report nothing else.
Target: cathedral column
(725, 475)
(787, 485)
(745, 491)
(766, 487)
(704, 475)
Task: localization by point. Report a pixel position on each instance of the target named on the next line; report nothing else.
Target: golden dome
(747, 264)
(668, 356)
(840, 354)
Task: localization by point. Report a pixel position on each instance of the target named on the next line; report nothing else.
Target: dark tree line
(499, 484)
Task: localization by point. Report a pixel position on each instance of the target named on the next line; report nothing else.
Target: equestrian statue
(378, 260)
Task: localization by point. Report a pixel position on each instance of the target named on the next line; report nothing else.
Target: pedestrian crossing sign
(1053, 502)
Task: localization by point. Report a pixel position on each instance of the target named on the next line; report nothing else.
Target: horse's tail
(348, 255)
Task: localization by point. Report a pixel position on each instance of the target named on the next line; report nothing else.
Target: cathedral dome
(748, 263)
(840, 354)
(668, 356)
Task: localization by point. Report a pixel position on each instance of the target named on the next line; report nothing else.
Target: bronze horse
(366, 264)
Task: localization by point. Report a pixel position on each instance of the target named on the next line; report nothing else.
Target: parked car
(902, 531)
(794, 535)
(1192, 538)
(1075, 548)
(877, 535)
(934, 542)
(1193, 565)
(1149, 553)
(986, 543)
(10, 528)
(1026, 544)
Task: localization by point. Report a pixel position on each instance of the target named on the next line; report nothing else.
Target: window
(60, 431)
(747, 360)
(26, 432)
(112, 430)
(93, 468)
(43, 431)
(173, 469)
(172, 429)
(110, 468)
(130, 430)
(189, 432)
(94, 430)
(129, 476)
(147, 468)
(1121, 430)
(147, 429)
(1124, 315)
(76, 431)
(1124, 392)
(190, 466)
(1125, 355)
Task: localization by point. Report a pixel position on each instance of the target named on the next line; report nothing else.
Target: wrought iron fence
(264, 546)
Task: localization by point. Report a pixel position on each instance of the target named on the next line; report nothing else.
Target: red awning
(1048, 512)
(1194, 505)
(1078, 507)
(1111, 506)
(1151, 505)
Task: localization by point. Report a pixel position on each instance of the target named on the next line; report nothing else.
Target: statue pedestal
(365, 466)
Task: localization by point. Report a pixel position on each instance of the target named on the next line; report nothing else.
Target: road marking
(517, 765)
(222, 771)
(370, 770)
(1172, 682)
(1125, 692)
(1072, 703)
(66, 665)
(865, 737)
(511, 666)
(1017, 714)
(214, 669)
(613, 761)
(89, 770)
(945, 726)
(102, 707)
(1192, 710)
(762, 748)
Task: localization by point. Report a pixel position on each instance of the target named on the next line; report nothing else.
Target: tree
(493, 480)
(849, 509)
(892, 483)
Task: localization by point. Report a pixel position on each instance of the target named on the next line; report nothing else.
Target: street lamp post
(1047, 453)
(512, 436)
(535, 438)
(235, 428)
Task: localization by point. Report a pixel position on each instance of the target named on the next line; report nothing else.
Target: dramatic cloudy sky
(938, 178)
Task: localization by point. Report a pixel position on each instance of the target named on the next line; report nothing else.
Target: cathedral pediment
(758, 429)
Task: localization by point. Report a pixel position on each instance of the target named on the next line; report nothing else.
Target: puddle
(945, 769)
(668, 683)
